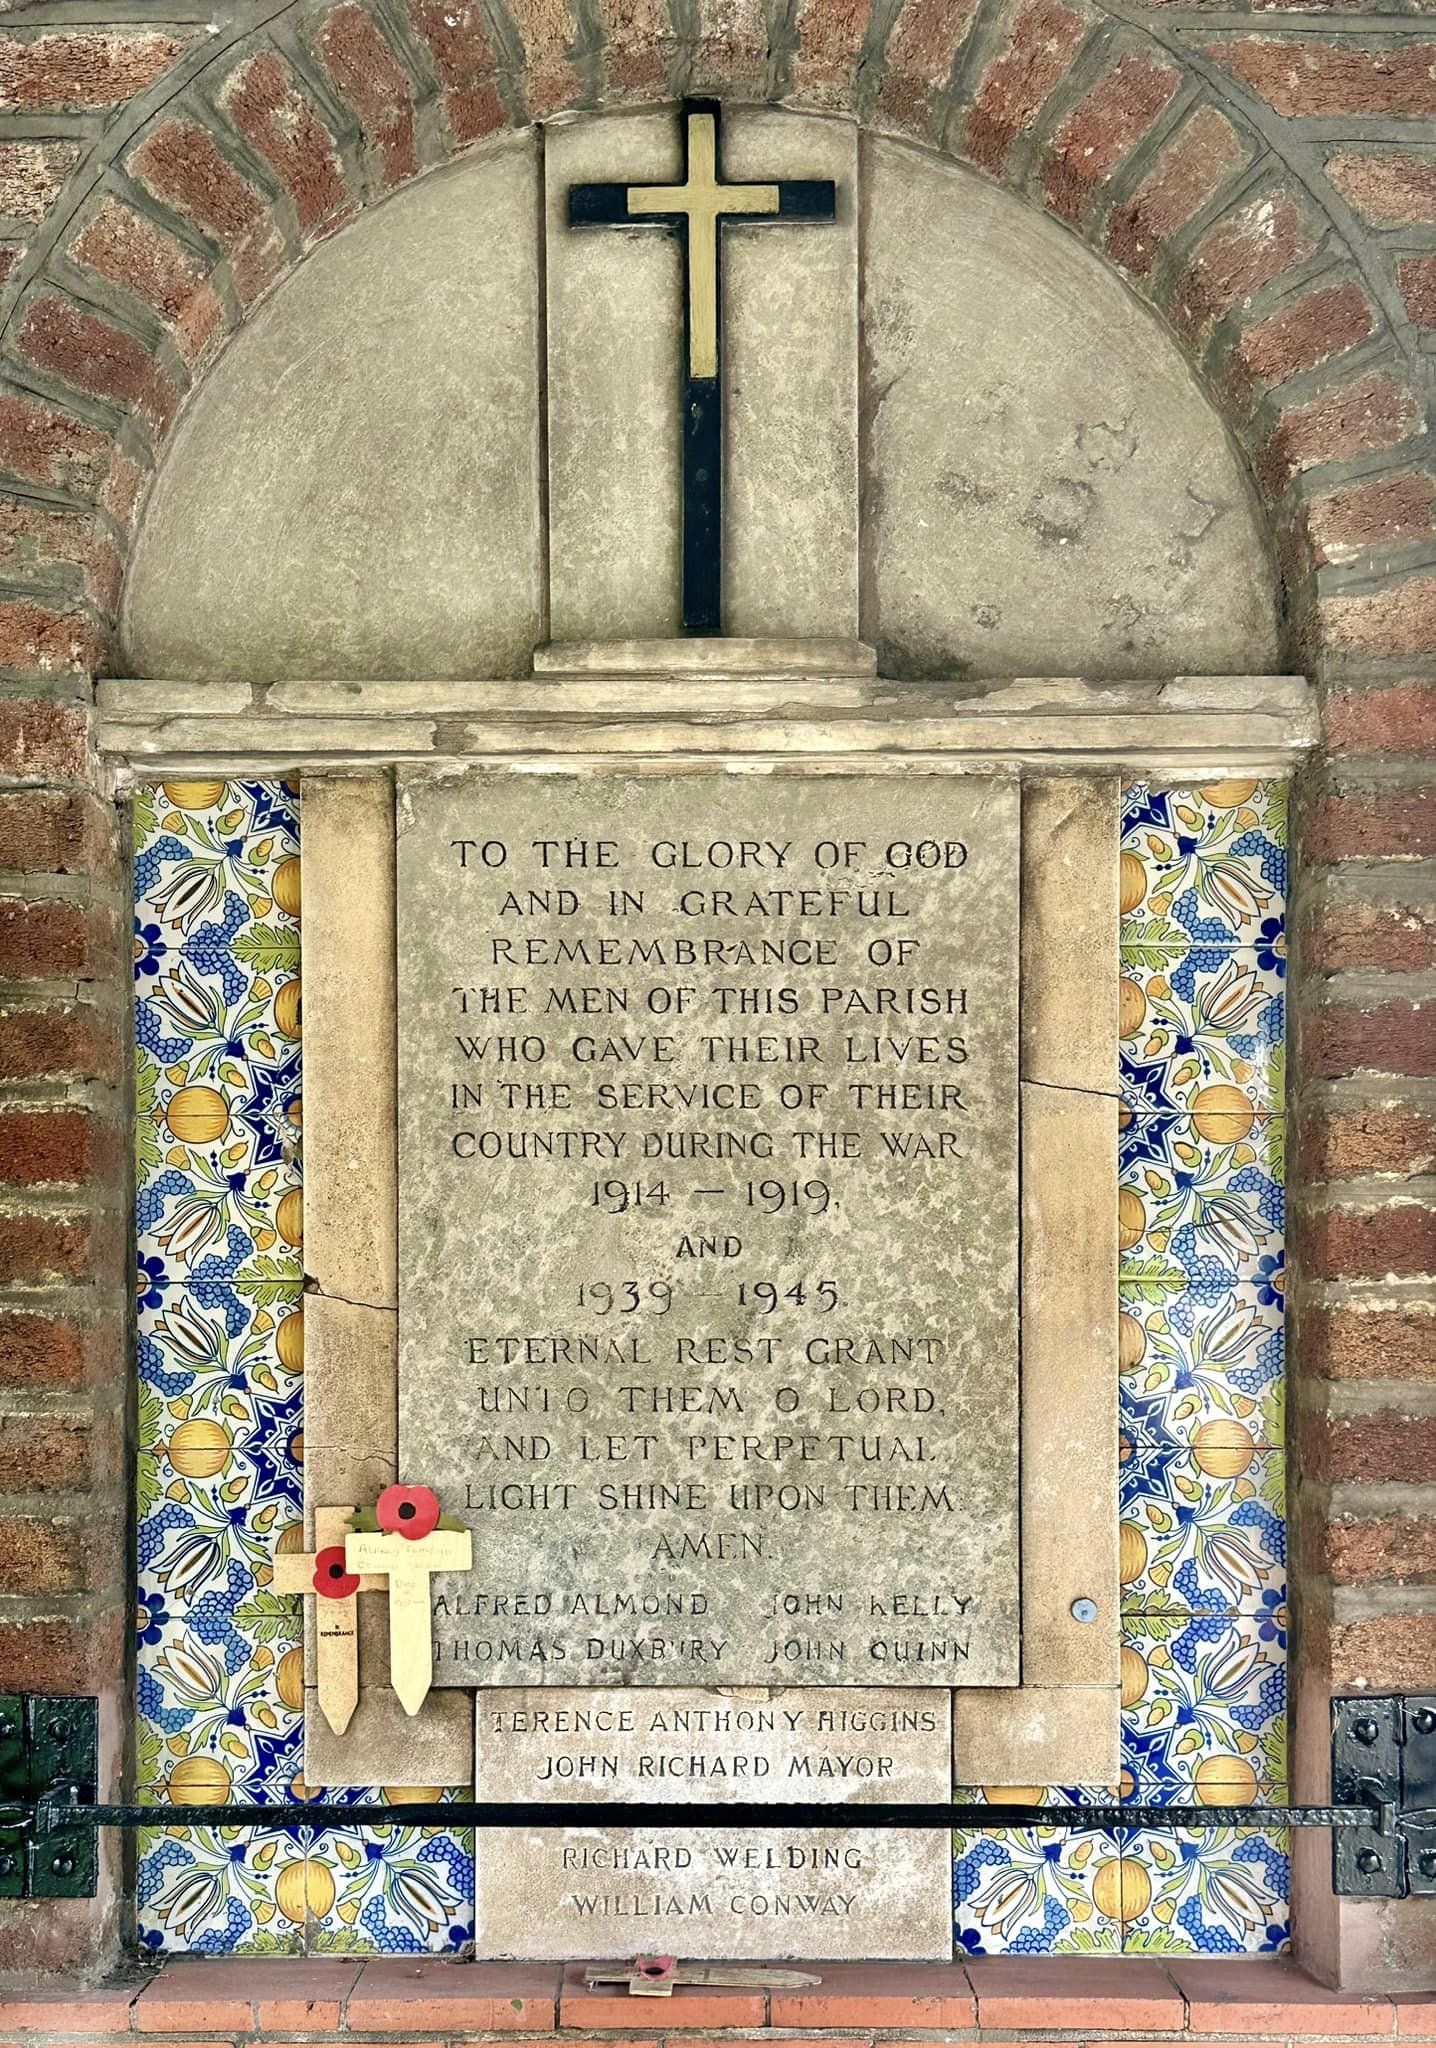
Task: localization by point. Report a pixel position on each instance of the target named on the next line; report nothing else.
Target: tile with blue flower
(1204, 869)
(1204, 1708)
(1221, 1892)
(1203, 1527)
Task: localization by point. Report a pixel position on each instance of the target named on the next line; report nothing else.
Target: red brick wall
(1265, 178)
(63, 1609)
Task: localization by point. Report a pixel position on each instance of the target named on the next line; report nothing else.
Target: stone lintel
(1171, 730)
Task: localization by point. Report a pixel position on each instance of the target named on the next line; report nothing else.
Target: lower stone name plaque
(550, 1893)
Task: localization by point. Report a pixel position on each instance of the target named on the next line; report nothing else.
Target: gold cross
(703, 199)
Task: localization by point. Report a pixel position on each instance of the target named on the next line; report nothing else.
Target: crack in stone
(312, 1286)
(1066, 1088)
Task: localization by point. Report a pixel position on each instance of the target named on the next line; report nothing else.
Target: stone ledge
(1171, 727)
(716, 654)
(907, 2005)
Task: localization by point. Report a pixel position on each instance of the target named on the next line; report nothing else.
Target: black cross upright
(696, 210)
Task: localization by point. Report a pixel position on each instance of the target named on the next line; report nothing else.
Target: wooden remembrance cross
(696, 210)
(346, 1562)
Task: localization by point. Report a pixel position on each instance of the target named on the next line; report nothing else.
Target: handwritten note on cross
(335, 1619)
(407, 1561)
(696, 210)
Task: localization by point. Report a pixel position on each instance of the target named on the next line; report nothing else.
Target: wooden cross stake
(335, 1622)
(407, 1563)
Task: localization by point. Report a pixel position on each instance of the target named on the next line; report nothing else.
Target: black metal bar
(702, 503)
(667, 1814)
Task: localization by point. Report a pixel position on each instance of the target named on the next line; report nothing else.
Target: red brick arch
(219, 161)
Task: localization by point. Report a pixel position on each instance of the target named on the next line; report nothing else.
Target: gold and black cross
(696, 210)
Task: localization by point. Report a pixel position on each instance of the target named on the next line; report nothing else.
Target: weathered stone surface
(1044, 485)
(734, 655)
(615, 322)
(1070, 919)
(557, 1892)
(434, 1747)
(347, 942)
(1047, 489)
(1069, 1387)
(602, 1444)
(1194, 729)
(615, 318)
(1061, 1725)
(790, 557)
(355, 489)
(351, 1421)
(1037, 1735)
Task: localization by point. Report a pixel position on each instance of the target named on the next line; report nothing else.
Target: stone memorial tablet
(708, 1227)
(547, 1893)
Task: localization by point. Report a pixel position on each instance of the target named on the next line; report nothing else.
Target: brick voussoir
(1043, 39)
(162, 278)
(1203, 157)
(1327, 319)
(183, 169)
(368, 74)
(268, 107)
(95, 357)
(1103, 129)
(1267, 230)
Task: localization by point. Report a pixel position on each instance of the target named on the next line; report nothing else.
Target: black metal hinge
(47, 1746)
(1383, 1755)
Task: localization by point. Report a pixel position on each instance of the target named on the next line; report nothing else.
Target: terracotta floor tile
(304, 1996)
(1067, 1992)
(198, 1995)
(87, 2012)
(1273, 1997)
(687, 2040)
(880, 1995)
(1416, 2014)
(473, 1997)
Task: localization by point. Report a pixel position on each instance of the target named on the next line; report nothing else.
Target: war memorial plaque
(708, 1224)
(707, 1892)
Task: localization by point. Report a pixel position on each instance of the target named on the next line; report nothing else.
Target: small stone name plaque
(549, 1893)
(708, 1233)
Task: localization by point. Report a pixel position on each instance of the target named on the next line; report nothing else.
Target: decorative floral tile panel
(1204, 1709)
(1201, 1135)
(220, 1324)
(223, 1891)
(1037, 1891)
(220, 1332)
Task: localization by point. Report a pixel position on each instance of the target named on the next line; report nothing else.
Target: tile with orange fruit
(220, 1340)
